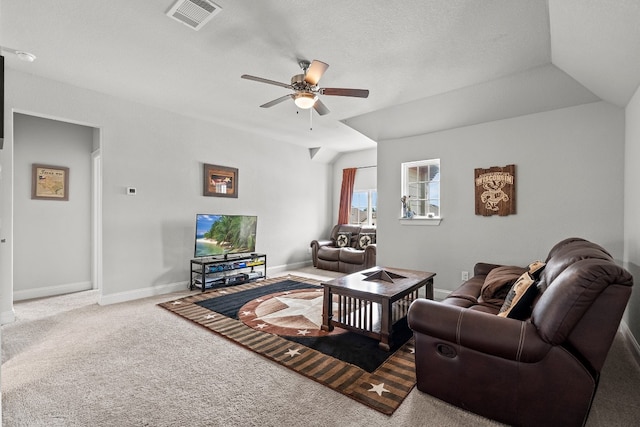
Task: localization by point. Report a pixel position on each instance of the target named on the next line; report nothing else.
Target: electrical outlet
(465, 275)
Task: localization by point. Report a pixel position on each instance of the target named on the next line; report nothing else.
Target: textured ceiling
(414, 51)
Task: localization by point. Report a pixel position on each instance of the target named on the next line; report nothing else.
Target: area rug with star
(280, 318)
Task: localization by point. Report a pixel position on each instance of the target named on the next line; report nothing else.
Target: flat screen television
(224, 234)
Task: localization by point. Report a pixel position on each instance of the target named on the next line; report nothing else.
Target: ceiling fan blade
(320, 108)
(358, 93)
(315, 71)
(276, 101)
(261, 80)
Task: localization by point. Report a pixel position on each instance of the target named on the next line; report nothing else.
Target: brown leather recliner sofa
(540, 370)
(348, 249)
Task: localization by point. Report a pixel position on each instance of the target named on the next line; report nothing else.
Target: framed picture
(49, 182)
(220, 181)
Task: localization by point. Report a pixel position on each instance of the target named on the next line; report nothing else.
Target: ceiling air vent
(193, 13)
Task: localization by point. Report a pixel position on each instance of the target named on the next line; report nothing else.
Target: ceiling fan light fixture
(305, 100)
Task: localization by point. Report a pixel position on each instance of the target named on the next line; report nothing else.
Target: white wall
(52, 247)
(632, 210)
(148, 239)
(569, 183)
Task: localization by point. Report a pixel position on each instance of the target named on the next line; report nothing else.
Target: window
(363, 207)
(421, 185)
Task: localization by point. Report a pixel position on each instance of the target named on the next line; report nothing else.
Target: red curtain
(348, 178)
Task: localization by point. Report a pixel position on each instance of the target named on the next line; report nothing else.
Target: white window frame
(369, 207)
(432, 196)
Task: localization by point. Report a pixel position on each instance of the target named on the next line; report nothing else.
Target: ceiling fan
(305, 87)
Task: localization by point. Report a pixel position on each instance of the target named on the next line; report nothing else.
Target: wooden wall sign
(496, 190)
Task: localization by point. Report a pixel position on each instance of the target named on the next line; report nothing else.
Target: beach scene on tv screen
(224, 234)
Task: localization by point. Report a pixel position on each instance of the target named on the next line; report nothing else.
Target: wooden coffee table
(371, 301)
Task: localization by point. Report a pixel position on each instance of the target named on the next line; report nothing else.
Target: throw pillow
(535, 269)
(343, 240)
(366, 239)
(518, 303)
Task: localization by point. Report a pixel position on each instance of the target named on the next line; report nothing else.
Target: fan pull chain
(310, 118)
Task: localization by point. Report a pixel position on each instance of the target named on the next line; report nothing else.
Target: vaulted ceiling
(429, 64)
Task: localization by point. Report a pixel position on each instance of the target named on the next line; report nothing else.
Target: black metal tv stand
(226, 270)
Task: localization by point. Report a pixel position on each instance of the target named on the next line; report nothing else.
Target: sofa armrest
(370, 253)
(315, 247)
(319, 243)
(486, 333)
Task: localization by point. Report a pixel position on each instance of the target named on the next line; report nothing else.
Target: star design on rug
(303, 332)
(261, 326)
(176, 302)
(412, 350)
(246, 313)
(378, 389)
(223, 292)
(292, 352)
(311, 309)
(210, 316)
(259, 300)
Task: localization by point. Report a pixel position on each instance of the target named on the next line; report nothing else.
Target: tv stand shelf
(220, 271)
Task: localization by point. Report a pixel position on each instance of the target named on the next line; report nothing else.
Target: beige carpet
(69, 362)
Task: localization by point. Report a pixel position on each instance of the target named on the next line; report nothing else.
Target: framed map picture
(49, 182)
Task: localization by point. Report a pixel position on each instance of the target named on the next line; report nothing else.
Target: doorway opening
(57, 244)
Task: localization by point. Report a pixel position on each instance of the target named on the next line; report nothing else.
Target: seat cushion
(328, 265)
(459, 301)
(352, 256)
(469, 290)
(329, 253)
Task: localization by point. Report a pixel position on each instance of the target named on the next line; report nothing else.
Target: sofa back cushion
(576, 274)
(366, 237)
(369, 229)
(346, 228)
(356, 231)
(565, 254)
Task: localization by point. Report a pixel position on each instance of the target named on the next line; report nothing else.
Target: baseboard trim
(142, 293)
(280, 268)
(7, 317)
(49, 291)
(631, 340)
(178, 286)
